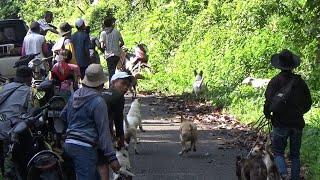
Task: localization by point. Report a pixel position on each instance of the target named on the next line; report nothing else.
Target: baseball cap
(79, 22)
(121, 75)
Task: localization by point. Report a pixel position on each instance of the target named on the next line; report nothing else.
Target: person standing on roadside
(114, 98)
(81, 42)
(86, 116)
(111, 41)
(287, 119)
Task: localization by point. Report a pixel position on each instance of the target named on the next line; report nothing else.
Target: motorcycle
(32, 156)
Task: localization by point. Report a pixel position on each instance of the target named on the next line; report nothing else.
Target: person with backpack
(287, 100)
(15, 102)
(64, 42)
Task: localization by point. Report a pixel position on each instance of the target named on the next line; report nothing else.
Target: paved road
(158, 159)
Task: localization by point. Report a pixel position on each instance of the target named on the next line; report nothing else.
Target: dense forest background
(228, 39)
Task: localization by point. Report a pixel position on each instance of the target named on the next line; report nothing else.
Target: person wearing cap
(87, 122)
(15, 102)
(114, 98)
(34, 42)
(65, 42)
(81, 42)
(288, 123)
(45, 24)
(111, 41)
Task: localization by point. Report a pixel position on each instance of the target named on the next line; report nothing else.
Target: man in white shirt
(34, 42)
(111, 41)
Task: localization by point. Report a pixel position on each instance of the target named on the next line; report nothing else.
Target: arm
(102, 123)
(54, 30)
(86, 47)
(268, 96)
(121, 40)
(305, 99)
(102, 39)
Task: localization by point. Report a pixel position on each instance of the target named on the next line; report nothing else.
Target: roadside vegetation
(228, 40)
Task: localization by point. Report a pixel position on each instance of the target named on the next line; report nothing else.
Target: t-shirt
(64, 73)
(44, 26)
(65, 43)
(32, 44)
(81, 43)
(111, 38)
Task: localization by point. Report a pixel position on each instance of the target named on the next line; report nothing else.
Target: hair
(108, 21)
(66, 54)
(48, 14)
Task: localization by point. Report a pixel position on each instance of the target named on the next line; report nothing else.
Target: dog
(255, 82)
(198, 83)
(259, 164)
(132, 122)
(188, 133)
(124, 161)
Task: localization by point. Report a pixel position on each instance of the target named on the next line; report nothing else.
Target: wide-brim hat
(285, 60)
(65, 28)
(23, 74)
(94, 76)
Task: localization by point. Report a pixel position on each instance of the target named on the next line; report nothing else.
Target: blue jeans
(84, 160)
(279, 143)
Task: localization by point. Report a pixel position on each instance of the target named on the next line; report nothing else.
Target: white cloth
(111, 38)
(32, 44)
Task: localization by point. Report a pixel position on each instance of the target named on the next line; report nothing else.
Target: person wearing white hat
(88, 126)
(114, 98)
(81, 43)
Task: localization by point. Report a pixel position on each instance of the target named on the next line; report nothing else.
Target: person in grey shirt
(15, 102)
(111, 41)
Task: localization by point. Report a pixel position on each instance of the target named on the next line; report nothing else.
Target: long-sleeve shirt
(115, 103)
(299, 102)
(87, 120)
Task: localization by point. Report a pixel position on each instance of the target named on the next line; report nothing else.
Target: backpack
(280, 100)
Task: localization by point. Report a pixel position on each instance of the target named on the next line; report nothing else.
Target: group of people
(91, 112)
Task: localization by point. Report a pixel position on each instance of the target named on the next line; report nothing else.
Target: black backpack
(280, 100)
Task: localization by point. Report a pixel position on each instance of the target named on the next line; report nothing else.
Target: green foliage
(10, 8)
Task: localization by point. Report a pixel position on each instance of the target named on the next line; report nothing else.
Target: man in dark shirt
(114, 98)
(288, 121)
(81, 42)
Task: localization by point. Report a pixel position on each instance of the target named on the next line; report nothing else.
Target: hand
(115, 166)
(120, 142)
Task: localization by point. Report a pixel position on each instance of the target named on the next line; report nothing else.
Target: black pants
(112, 64)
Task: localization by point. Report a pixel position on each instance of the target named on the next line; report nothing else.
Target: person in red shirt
(66, 74)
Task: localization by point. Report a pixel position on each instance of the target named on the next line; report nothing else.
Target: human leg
(112, 64)
(84, 160)
(295, 144)
(279, 143)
